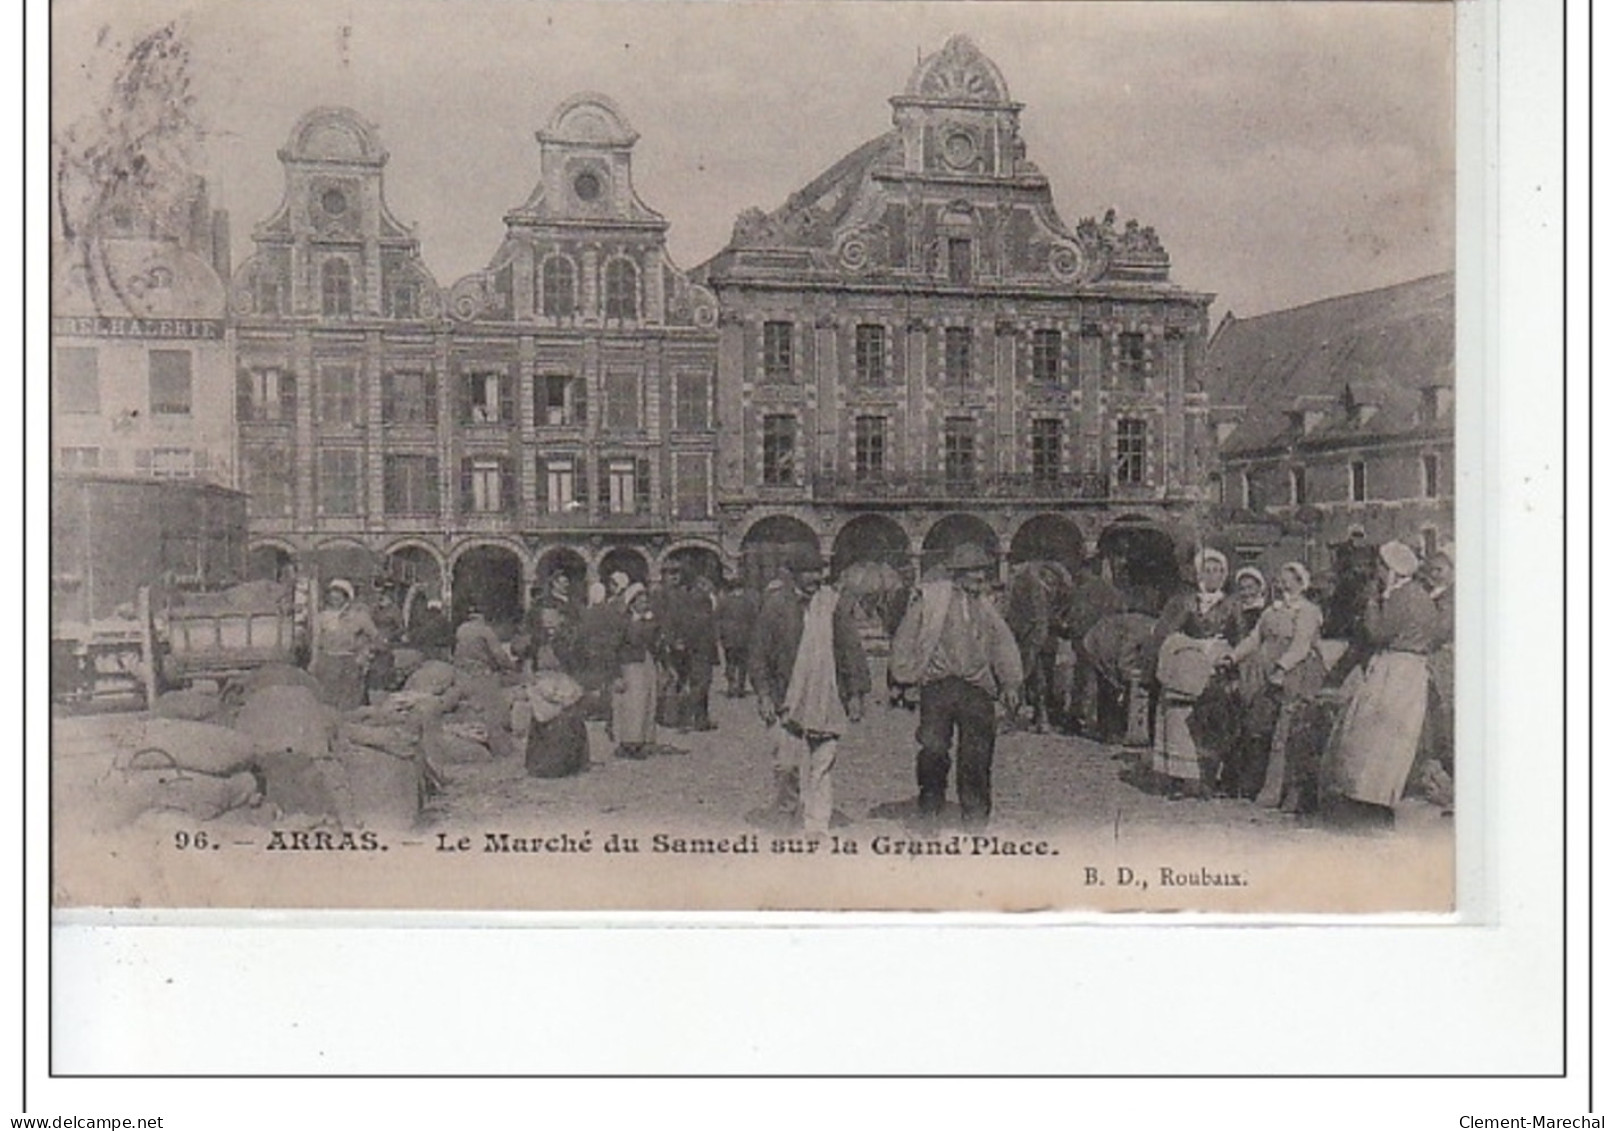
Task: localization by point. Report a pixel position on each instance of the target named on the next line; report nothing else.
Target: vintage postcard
(752, 457)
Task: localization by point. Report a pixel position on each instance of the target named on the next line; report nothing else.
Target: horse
(1039, 593)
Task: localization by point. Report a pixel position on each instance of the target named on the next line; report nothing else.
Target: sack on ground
(433, 677)
(278, 675)
(194, 706)
(199, 747)
(287, 718)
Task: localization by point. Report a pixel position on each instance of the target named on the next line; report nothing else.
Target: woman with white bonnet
(633, 691)
(1280, 667)
(347, 637)
(1195, 631)
(1375, 742)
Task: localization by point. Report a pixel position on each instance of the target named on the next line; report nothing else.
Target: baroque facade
(552, 412)
(916, 350)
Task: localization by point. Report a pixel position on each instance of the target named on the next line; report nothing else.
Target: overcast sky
(1283, 152)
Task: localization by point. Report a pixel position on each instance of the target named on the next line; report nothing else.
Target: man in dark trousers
(811, 676)
(690, 632)
(737, 616)
(954, 644)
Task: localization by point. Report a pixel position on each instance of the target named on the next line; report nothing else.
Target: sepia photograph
(758, 457)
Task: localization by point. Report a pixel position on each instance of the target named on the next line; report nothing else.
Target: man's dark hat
(805, 557)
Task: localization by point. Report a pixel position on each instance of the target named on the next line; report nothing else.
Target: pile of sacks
(282, 756)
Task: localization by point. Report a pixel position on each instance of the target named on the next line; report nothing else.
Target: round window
(959, 150)
(587, 186)
(334, 202)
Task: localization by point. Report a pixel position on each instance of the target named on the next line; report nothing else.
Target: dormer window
(1435, 402)
(1304, 420)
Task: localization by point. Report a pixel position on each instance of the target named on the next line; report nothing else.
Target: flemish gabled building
(550, 412)
(1338, 414)
(915, 349)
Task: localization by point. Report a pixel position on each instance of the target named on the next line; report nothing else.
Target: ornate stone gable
(333, 247)
(947, 199)
(583, 249)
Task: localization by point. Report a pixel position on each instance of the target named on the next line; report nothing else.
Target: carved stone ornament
(467, 299)
(1067, 262)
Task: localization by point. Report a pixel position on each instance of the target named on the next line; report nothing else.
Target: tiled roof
(1295, 375)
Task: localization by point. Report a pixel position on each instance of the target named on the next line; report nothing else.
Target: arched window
(336, 288)
(622, 290)
(559, 287)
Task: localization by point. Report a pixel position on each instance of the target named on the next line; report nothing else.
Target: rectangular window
(403, 300)
(622, 477)
(1046, 454)
(409, 396)
(78, 380)
(869, 354)
(170, 382)
(1431, 465)
(1428, 545)
(1131, 441)
(692, 402)
(779, 451)
(173, 463)
(339, 394)
(690, 485)
(1046, 357)
(777, 356)
(1359, 481)
(959, 450)
(78, 459)
(559, 401)
(869, 447)
(956, 354)
(484, 487)
(267, 476)
(266, 395)
(1298, 486)
(411, 485)
(486, 398)
(1130, 361)
(959, 262)
(561, 483)
(1245, 490)
(339, 482)
(622, 400)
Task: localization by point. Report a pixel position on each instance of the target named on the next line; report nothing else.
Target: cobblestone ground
(1040, 783)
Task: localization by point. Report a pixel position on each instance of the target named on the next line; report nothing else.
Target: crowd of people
(1231, 690)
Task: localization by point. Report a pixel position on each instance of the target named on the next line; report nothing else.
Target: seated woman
(1194, 631)
(1280, 667)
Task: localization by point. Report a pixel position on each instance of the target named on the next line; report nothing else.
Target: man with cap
(954, 644)
(811, 676)
(1378, 734)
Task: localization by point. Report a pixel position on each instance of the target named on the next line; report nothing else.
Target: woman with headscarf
(1374, 743)
(1280, 667)
(347, 638)
(1195, 631)
(633, 692)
